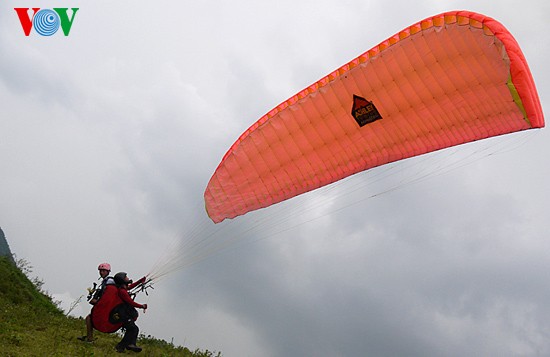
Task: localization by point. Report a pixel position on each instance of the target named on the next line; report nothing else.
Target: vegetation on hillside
(31, 324)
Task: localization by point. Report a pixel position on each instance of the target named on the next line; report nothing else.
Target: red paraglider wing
(447, 80)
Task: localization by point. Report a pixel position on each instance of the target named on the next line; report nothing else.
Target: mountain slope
(32, 325)
(4, 247)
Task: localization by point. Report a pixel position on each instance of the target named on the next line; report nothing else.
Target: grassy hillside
(32, 325)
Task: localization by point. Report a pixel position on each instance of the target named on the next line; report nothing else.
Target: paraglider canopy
(447, 80)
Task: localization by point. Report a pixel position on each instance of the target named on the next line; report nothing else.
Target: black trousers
(130, 335)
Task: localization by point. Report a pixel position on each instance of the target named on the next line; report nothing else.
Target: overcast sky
(110, 135)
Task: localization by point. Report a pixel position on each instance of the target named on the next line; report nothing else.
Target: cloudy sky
(109, 137)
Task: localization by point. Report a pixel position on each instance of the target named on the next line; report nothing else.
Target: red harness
(101, 311)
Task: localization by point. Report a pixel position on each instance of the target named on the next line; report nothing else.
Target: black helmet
(120, 278)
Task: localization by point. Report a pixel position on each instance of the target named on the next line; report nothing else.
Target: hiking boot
(119, 348)
(85, 339)
(134, 348)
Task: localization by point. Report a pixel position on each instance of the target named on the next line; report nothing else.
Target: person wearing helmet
(104, 270)
(126, 313)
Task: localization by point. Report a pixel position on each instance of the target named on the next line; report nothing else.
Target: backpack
(123, 313)
(108, 280)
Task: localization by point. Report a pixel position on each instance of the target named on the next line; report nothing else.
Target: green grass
(32, 325)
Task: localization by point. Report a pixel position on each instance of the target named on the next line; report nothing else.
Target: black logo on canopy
(364, 111)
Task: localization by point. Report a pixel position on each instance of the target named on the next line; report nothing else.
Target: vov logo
(46, 22)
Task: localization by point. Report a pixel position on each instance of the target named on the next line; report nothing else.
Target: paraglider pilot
(95, 295)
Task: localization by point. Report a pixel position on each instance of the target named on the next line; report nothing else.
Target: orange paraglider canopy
(447, 80)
